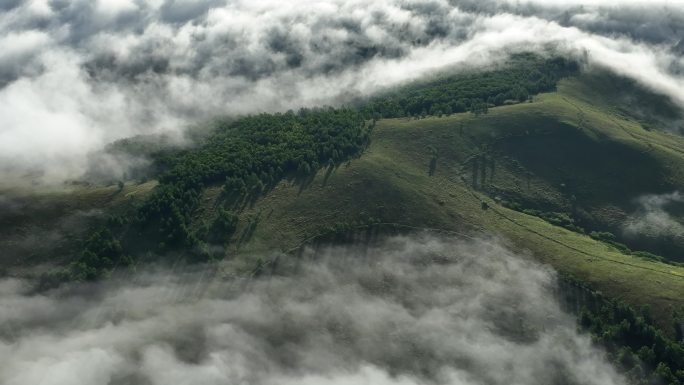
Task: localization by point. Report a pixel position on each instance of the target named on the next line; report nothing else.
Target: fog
(408, 310)
(76, 75)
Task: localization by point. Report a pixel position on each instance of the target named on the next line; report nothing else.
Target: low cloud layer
(658, 215)
(411, 311)
(75, 75)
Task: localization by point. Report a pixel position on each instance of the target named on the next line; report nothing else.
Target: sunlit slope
(610, 158)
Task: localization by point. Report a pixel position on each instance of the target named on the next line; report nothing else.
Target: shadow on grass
(239, 202)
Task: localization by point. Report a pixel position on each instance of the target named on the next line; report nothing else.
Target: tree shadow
(249, 230)
(305, 181)
(240, 201)
(328, 172)
(433, 166)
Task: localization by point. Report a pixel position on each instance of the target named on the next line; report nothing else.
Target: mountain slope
(568, 153)
(611, 157)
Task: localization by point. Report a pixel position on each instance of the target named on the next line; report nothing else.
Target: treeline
(247, 157)
(639, 349)
(525, 76)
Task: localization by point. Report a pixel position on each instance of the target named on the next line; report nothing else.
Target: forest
(643, 351)
(526, 75)
(247, 157)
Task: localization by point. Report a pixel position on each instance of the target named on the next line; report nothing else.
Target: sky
(76, 75)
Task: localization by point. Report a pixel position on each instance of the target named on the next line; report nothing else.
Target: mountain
(560, 176)
(558, 164)
(522, 159)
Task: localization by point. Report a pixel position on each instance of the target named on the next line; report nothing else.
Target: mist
(657, 215)
(408, 310)
(76, 75)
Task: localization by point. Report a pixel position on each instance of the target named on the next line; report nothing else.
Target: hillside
(567, 156)
(391, 183)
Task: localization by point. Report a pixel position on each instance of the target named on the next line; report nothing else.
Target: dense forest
(475, 92)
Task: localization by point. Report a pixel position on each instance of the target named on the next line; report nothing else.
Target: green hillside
(551, 171)
(391, 183)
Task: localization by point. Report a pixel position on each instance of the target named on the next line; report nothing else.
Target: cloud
(75, 75)
(656, 217)
(411, 310)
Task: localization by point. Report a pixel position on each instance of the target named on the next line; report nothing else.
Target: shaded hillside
(46, 229)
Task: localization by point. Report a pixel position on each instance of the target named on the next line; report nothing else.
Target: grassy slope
(391, 182)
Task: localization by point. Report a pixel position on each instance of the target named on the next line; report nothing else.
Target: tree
(664, 374)
(679, 335)
(433, 160)
(499, 99)
(225, 222)
(521, 94)
(478, 107)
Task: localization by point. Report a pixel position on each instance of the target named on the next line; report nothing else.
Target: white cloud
(110, 9)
